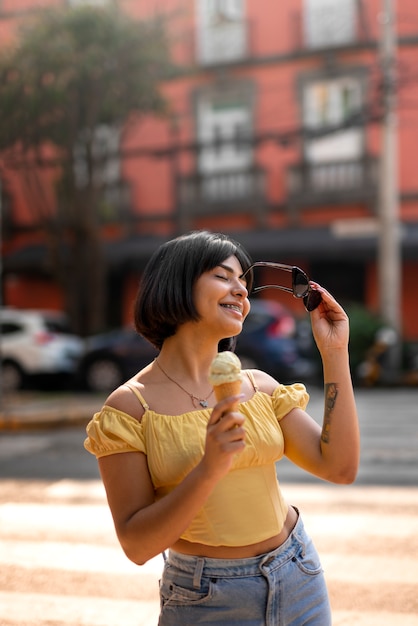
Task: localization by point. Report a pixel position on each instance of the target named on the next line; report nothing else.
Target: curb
(38, 411)
(14, 422)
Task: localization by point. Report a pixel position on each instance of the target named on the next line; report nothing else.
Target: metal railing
(336, 181)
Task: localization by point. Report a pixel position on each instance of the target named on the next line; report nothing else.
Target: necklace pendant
(203, 403)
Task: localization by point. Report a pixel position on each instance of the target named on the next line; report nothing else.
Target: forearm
(154, 528)
(340, 440)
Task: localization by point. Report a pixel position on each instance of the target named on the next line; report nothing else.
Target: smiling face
(221, 298)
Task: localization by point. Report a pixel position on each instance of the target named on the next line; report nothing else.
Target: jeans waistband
(198, 566)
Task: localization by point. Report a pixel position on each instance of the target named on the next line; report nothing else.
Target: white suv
(35, 342)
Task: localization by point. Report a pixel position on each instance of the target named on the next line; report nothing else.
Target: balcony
(229, 191)
(336, 182)
(324, 25)
(223, 42)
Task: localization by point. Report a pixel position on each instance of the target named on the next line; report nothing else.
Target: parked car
(267, 341)
(113, 357)
(270, 341)
(34, 342)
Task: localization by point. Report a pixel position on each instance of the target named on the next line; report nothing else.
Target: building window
(106, 170)
(330, 105)
(105, 155)
(92, 3)
(224, 127)
(221, 125)
(329, 22)
(221, 30)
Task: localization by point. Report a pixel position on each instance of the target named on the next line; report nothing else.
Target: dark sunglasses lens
(300, 283)
(312, 300)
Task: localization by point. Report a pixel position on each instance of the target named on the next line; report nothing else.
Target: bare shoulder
(265, 382)
(124, 399)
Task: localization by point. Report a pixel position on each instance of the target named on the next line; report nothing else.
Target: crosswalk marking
(61, 564)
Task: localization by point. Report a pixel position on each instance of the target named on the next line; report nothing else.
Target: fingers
(328, 304)
(225, 408)
(225, 426)
(326, 296)
(330, 323)
(225, 437)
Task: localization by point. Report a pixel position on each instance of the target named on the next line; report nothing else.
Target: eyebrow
(226, 267)
(231, 270)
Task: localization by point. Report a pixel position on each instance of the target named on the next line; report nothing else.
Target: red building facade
(274, 136)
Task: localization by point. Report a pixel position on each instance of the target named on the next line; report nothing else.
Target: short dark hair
(165, 296)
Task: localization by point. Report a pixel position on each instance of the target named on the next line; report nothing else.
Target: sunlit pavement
(61, 564)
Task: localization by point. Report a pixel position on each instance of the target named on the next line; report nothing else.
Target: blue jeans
(285, 587)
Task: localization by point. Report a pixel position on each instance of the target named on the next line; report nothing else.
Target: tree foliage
(73, 69)
(71, 73)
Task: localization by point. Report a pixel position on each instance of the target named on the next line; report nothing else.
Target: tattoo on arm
(331, 392)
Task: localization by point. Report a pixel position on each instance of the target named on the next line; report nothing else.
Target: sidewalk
(365, 533)
(30, 410)
(62, 564)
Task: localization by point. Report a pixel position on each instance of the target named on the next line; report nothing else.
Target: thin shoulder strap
(252, 379)
(138, 394)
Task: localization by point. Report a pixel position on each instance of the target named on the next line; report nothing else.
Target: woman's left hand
(330, 325)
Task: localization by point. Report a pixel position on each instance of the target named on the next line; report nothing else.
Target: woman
(192, 477)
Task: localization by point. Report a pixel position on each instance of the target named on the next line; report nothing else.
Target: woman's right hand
(225, 437)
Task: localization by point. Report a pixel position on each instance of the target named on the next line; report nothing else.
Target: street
(61, 564)
(389, 435)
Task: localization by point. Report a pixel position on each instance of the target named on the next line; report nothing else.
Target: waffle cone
(226, 390)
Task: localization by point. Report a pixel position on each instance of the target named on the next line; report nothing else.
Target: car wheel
(103, 375)
(11, 377)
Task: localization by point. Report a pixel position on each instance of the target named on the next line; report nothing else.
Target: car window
(8, 328)
(57, 326)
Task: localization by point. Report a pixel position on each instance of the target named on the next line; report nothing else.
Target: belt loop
(198, 572)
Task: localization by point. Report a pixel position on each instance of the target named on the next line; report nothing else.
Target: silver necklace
(202, 401)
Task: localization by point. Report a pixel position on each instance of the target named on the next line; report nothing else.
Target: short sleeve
(288, 397)
(112, 431)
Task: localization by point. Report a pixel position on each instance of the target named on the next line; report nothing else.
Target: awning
(314, 244)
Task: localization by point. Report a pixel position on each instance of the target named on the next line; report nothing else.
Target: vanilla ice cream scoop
(225, 376)
(225, 368)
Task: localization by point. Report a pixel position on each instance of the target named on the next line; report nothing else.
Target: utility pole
(389, 253)
(1, 293)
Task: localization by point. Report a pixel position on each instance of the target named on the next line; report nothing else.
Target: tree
(69, 90)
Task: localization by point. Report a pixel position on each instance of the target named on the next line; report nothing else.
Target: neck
(196, 399)
(187, 361)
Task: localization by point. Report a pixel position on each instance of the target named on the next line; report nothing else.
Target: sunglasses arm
(256, 289)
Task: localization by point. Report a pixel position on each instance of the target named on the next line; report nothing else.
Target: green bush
(363, 328)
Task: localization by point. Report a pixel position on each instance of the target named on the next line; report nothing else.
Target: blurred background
(291, 126)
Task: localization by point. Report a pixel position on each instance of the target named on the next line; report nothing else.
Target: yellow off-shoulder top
(246, 505)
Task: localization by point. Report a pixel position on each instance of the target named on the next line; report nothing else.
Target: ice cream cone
(226, 390)
(225, 376)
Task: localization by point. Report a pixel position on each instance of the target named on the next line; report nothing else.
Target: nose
(239, 288)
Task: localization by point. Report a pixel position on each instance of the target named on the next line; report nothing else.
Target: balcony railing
(311, 184)
(222, 43)
(230, 191)
(333, 26)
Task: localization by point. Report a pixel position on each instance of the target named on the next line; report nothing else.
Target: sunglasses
(300, 283)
